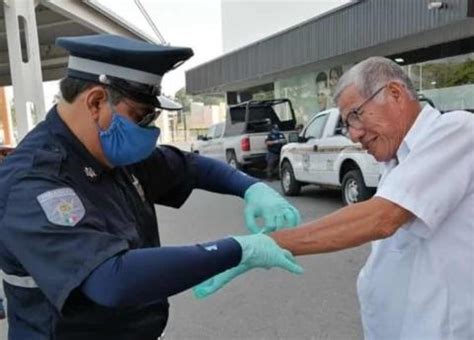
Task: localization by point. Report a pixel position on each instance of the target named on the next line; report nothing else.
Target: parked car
(209, 143)
(240, 140)
(322, 155)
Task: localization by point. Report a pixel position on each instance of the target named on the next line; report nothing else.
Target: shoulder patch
(62, 206)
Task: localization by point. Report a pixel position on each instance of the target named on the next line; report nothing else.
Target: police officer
(79, 243)
(274, 141)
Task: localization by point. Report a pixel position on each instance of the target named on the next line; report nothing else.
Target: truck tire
(354, 189)
(289, 185)
(232, 160)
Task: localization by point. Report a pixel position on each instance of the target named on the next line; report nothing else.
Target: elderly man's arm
(349, 227)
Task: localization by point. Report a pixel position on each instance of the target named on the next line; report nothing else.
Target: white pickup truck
(240, 140)
(324, 156)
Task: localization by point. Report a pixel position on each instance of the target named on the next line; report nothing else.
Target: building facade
(432, 40)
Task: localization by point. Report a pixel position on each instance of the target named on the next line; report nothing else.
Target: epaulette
(49, 159)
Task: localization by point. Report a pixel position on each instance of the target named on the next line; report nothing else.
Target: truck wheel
(354, 189)
(232, 160)
(289, 185)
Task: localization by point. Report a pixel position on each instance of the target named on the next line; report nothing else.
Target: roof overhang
(64, 18)
(343, 36)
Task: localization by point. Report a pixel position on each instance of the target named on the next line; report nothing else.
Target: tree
(186, 99)
(448, 74)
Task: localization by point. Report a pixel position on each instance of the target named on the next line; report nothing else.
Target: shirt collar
(425, 119)
(91, 166)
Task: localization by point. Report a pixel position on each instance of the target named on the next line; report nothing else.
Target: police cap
(133, 67)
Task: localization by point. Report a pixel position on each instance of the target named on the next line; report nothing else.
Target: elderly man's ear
(396, 90)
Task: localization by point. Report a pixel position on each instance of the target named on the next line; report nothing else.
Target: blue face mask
(126, 143)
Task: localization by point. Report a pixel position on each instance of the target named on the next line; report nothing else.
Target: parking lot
(321, 304)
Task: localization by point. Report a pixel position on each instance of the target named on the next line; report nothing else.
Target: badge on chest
(138, 188)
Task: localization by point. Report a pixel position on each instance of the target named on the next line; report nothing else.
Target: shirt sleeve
(168, 176)
(217, 176)
(435, 176)
(58, 240)
(142, 276)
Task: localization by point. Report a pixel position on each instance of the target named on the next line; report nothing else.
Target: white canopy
(28, 56)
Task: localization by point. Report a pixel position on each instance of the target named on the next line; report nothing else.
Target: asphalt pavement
(263, 304)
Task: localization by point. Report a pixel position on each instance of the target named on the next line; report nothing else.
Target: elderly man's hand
(258, 251)
(277, 213)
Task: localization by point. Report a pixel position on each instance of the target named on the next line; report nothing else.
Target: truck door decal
(306, 162)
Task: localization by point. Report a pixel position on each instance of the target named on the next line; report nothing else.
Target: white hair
(370, 75)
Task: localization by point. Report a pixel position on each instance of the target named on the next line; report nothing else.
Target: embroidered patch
(62, 206)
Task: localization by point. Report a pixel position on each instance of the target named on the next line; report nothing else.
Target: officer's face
(134, 111)
(97, 101)
(384, 122)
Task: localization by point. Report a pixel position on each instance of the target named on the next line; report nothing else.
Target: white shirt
(419, 283)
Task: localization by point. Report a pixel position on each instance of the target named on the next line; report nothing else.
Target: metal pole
(25, 63)
(421, 77)
(185, 128)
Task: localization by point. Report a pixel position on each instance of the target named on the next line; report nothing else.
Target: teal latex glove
(258, 251)
(277, 213)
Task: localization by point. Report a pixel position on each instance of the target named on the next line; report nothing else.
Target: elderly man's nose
(356, 134)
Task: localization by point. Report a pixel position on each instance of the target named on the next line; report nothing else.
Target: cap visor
(168, 104)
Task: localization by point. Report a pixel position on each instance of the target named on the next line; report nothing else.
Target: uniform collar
(425, 119)
(92, 168)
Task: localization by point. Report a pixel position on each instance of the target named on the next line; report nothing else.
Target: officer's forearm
(216, 176)
(146, 275)
(349, 227)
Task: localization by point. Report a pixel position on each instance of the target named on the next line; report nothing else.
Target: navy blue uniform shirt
(62, 214)
(273, 136)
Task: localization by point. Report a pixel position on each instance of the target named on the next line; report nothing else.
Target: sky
(195, 24)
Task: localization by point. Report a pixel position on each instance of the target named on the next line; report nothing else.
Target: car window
(316, 127)
(339, 127)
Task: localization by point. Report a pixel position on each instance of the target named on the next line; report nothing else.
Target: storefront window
(448, 82)
(301, 91)
(309, 93)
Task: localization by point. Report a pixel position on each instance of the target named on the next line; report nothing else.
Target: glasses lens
(149, 118)
(353, 120)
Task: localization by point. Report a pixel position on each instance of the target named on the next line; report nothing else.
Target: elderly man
(418, 282)
(79, 242)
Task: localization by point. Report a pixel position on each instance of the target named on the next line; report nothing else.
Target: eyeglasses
(147, 118)
(353, 119)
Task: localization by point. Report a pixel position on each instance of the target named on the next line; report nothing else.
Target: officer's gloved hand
(258, 251)
(277, 213)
